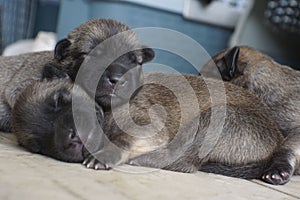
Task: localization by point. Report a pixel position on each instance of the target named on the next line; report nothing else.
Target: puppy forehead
(92, 33)
(103, 24)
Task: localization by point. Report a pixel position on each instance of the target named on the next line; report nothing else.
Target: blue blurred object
(74, 12)
(17, 20)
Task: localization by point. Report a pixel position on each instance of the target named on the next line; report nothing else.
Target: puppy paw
(105, 159)
(134, 163)
(92, 163)
(278, 175)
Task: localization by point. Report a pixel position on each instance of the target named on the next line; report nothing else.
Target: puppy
(43, 119)
(278, 87)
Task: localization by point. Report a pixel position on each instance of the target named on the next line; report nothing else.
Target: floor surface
(30, 176)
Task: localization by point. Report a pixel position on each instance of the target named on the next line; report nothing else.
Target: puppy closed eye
(133, 57)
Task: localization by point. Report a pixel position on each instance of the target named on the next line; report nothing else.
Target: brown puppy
(186, 132)
(278, 87)
(19, 71)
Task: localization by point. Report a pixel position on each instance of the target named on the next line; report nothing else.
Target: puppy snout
(115, 79)
(115, 75)
(73, 136)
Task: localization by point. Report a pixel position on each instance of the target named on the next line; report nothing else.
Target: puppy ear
(50, 71)
(61, 50)
(147, 54)
(231, 59)
(59, 100)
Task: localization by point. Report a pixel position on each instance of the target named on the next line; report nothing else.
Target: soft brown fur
(244, 144)
(278, 87)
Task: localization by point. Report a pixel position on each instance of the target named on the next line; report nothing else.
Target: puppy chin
(111, 100)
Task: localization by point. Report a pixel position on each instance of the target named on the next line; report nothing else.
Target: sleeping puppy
(43, 119)
(278, 87)
(173, 122)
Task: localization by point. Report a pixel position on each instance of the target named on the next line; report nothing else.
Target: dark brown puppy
(278, 87)
(42, 119)
(19, 71)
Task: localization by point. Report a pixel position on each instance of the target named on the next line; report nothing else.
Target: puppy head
(234, 62)
(73, 50)
(83, 39)
(43, 119)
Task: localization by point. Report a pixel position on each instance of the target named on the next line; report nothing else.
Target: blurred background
(271, 26)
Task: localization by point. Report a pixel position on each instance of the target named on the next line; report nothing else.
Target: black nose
(115, 74)
(114, 79)
(73, 137)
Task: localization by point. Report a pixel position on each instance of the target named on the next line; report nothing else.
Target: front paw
(105, 159)
(278, 174)
(92, 163)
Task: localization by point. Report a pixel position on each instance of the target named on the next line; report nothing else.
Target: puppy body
(278, 87)
(16, 73)
(246, 140)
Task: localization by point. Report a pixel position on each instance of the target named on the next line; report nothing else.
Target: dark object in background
(284, 15)
(1, 27)
(46, 16)
(206, 2)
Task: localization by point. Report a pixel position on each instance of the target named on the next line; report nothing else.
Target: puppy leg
(285, 161)
(5, 117)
